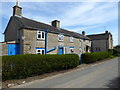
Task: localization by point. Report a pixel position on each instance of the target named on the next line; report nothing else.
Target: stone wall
(102, 44)
(3, 49)
(30, 42)
(53, 41)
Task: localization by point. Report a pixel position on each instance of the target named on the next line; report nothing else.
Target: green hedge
(95, 56)
(22, 66)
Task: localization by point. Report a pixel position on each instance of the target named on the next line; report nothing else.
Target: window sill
(60, 40)
(41, 39)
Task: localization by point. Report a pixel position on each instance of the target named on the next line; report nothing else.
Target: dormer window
(60, 37)
(40, 35)
(71, 39)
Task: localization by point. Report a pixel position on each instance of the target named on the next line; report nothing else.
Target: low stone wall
(3, 48)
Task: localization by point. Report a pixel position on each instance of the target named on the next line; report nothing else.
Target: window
(80, 50)
(71, 49)
(40, 51)
(84, 49)
(71, 39)
(80, 40)
(60, 37)
(40, 34)
(97, 49)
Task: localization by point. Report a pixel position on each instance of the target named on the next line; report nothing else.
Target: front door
(61, 50)
(13, 49)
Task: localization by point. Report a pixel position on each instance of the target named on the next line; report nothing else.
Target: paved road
(102, 75)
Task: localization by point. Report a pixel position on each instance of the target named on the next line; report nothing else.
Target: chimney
(56, 23)
(17, 10)
(106, 31)
(83, 32)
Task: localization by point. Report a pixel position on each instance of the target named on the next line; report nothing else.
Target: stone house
(27, 36)
(101, 42)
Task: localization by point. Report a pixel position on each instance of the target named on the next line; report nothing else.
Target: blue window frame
(40, 50)
(71, 49)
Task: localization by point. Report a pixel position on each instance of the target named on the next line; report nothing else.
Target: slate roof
(32, 24)
(102, 36)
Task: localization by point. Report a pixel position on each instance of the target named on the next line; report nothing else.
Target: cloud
(78, 29)
(72, 14)
(89, 14)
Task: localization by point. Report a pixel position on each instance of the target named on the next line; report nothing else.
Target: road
(101, 75)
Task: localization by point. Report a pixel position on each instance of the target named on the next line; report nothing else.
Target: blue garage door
(13, 49)
(61, 51)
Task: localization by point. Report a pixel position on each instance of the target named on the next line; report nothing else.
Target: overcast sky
(91, 17)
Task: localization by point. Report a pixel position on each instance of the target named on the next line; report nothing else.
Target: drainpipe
(46, 40)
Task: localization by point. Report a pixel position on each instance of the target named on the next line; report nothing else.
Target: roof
(33, 25)
(102, 36)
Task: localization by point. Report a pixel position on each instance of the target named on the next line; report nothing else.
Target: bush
(22, 66)
(95, 56)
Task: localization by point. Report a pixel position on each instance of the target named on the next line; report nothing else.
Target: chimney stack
(83, 32)
(56, 23)
(17, 10)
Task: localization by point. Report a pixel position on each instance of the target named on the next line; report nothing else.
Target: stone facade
(30, 43)
(101, 42)
(99, 45)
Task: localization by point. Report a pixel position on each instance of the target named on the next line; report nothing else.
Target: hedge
(22, 66)
(95, 56)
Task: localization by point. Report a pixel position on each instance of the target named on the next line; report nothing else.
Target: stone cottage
(101, 42)
(27, 36)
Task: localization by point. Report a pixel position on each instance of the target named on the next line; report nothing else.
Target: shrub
(22, 66)
(95, 56)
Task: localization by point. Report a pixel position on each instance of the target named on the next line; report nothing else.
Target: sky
(92, 17)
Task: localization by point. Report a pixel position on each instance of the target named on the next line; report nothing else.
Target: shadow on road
(115, 83)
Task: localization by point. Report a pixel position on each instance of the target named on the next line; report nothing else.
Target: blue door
(61, 51)
(13, 49)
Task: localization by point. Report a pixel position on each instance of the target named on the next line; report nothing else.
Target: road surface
(101, 75)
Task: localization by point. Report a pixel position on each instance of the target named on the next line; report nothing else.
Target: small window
(81, 40)
(80, 49)
(71, 50)
(60, 37)
(40, 51)
(40, 34)
(97, 49)
(71, 39)
(84, 49)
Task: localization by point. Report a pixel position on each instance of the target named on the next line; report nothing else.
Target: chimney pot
(83, 32)
(106, 31)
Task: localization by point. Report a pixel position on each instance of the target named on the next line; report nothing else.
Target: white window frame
(40, 51)
(71, 39)
(80, 49)
(81, 40)
(40, 33)
(60, 36)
